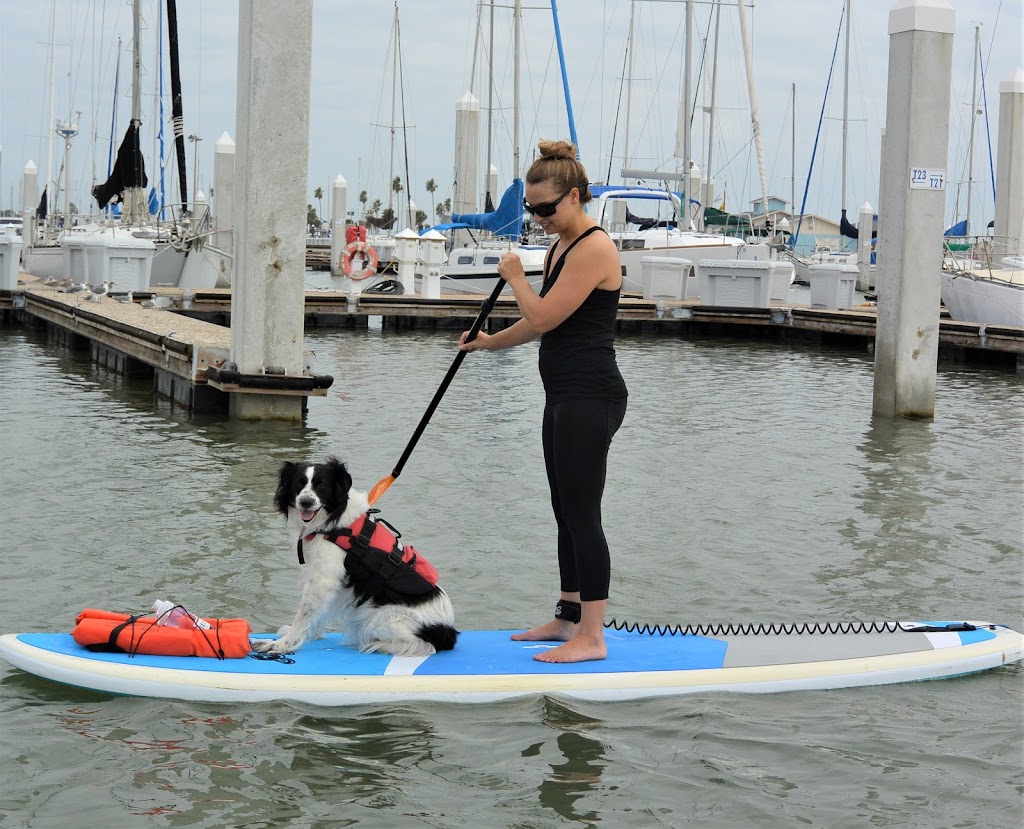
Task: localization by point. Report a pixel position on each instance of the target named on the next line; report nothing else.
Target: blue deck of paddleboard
(478, 653)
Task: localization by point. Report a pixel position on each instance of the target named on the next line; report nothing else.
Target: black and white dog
(353, 583)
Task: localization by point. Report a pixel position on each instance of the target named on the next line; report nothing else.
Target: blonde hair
(558, 164)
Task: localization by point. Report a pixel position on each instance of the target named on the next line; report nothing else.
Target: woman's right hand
(479, 343)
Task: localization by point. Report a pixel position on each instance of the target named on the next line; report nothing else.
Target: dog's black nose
(307, 503)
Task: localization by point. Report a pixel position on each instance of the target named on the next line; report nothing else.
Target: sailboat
(137, 251)
(976, 284)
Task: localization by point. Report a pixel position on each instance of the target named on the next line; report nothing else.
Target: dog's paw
(270, 646)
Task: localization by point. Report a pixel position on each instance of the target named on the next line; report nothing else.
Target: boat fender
(369, 256)
(110, 632)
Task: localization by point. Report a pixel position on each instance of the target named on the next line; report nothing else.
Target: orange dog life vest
(372, 547)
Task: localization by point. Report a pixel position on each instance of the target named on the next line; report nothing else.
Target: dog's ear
(342, 479)
(283, 496)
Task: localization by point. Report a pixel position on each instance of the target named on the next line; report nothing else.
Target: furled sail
(129, 170)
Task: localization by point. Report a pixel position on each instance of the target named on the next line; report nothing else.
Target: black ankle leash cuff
(568, 611)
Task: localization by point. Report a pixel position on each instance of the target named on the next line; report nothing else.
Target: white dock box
(735, 283)
(666, 277)
(110, 255)
(10, 261)
(832, 285)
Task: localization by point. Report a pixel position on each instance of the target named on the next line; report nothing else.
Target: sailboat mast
(50, 122)
(489, 196)
(709, 195)
(629, 85)
(846, 102)
(755, 121)
(974, 116)
(394, 82)
(177, 112)
(792, 157)
(683, 127)
(517, 18)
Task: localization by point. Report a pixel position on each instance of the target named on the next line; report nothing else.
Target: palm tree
(431, 186)
(375, 207)
(439, 211)
(362, 200)
(318, 194)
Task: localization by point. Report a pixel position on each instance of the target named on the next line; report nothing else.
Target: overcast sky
(351, 113)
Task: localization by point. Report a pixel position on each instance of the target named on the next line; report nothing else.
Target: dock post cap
(923, 16)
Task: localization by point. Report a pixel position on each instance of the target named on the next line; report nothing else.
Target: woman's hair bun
(557, 149)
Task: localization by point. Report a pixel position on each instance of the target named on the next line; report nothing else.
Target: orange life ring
(369, 256)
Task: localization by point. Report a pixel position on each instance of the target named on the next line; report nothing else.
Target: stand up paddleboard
(487, 666)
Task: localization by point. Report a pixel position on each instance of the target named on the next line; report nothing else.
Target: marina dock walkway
(179, 336)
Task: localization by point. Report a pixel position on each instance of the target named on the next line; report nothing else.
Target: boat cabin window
(492, 260)
(464, 259)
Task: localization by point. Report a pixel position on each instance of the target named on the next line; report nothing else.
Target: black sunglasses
(546, 209)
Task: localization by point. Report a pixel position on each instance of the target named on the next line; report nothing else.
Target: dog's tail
(442, 637)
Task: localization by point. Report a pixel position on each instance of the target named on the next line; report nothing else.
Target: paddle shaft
(485, 309)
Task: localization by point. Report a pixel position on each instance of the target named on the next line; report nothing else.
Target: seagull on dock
(75, 288)
(96, 294)
(125, 298)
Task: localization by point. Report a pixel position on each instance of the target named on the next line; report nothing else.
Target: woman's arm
(516, 334)
(594, 263)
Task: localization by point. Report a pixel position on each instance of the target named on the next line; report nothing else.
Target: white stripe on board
(404, 665)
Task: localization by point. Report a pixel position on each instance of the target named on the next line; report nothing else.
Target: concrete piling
(274, 64)
(912, 202)
(1009, 227)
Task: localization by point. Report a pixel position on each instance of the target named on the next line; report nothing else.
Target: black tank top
(577, 359)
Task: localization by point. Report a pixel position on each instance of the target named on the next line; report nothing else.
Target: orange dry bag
(108, 632)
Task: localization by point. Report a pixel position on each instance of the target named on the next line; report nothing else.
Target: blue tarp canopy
(959, 229)
(506, 221)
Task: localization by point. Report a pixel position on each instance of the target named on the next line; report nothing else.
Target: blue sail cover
(959, 229)
(506, 221)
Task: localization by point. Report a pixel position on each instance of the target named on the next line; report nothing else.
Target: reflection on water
(582, 763)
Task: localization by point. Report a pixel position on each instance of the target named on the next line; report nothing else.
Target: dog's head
(313, 495)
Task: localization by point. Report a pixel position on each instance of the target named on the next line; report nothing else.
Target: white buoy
(339, 209)
(1009, 218)
(912, 203)
(271, 172)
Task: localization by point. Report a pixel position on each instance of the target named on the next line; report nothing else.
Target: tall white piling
(865, 225)
(1009, 225)
(492, 185)
(912, 201)
(271, 173)
(339, 209)
(29, 200)
(224, 191)
(467, 139)
(413, 209)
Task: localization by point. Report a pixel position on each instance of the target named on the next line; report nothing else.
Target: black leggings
(576, 436)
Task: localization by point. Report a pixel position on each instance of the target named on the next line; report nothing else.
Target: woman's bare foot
(557, 630)
(578, 649)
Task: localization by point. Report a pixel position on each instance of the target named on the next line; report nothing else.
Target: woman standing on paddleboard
(585, 395)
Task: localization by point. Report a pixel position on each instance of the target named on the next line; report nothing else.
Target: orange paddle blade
(380, 488)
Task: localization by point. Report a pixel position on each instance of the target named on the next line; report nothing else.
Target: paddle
(485, 309)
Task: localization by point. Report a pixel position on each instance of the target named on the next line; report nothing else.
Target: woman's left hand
(510, 268)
